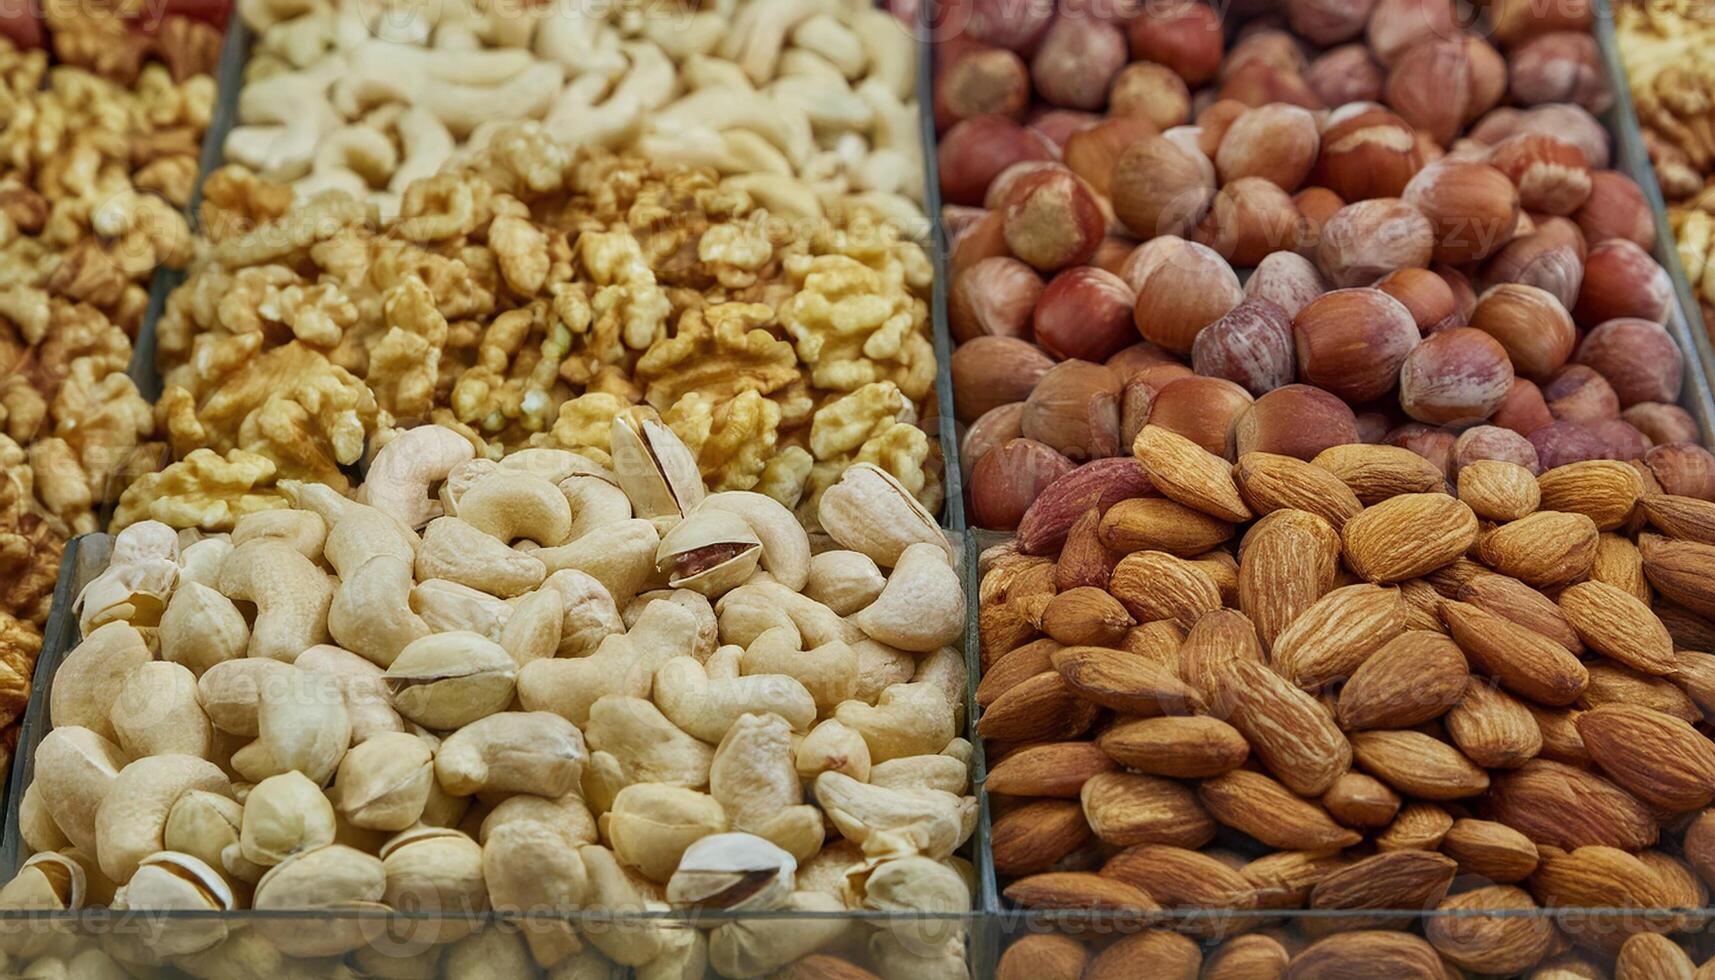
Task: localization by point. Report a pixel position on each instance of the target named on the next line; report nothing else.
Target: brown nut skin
(1663, 424)
(1181, 288)
(1621, 439)
(1464, 295)
(1212, 122)
(1426, 295)
(1278, 143)
(1562, 66)
(1622, 280)
(1249, 219)
(1550, 258)
(1550, 173)
(1683, 468)
(1328, 22)
(1492, 442)
(1443, 83)
(1052, 220)
(1295, 420)
(1577, 393)
(1203, 410)
(1512, 21)
(1143, 356)
(1005, 26)
(993, 371)
(1367, 153)
(995, 298)
(1009, 478)
(995, 427)
(1473, 207)
(1433, 444)
(1559, 443)
(1085, 313)
(1364, 241)
(1317, 205)
(1616, 208)
(1531, 324)
(1250, 346)
(990, 81)
(1158, 188)
(1076, 61)
(1637, 357)
(1523, 410)
(1346, 74)
(1092, 152)
(1154, 92)
(1186, 37)
(1353, 341)
(1286, 279)
(976, 150)
(1456, 376)
(1058, 125)
(1396, 25)
(1074, 409)
(982, 238)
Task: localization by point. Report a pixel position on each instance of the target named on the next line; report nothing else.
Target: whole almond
(1681, 518)
(1650, 956)
(1497, 490)
(1035, 836)
(1490, 850)
(1252, 956)
(1184, 471)
(1217, 639)
(1455, 575)
(1376, 472)
(1357, 800)
(1178, 878)
(1681, 882)
(1682, 571)
(1159, 524)
(1100, 483)
(1254, 804)
(1126, 808)
(1290, 732)
(1043, 956)
(1392, 880)
(1659, 759)
(1699, 844)
(1413, 678)
(1560, 739)
(1689, 630)
(1526, 663)
(1056, 769)
(1288, 561)
(1367, 954)
(1408, 535)
(1494, 729)
(1043, 708)
(1329, 640)
(1269, 482)
(1186, 747)
(1604, 490)
(1566, 807)
(1154, 585)
(1599, 877)
(1518, 603)
(1417, 827)
(1694, 673)
(1619, 563)
(1546, 549)
(1158, 641)
(1612, 683)
(1223, 570)
(1078, 890)
(1422, 606)
(1283, 879)
(1084, 560)
(1010, 668)
(1491, 944)
(1124, 681)
(1418, 765)
(1153, 953)
(1085, 616)
(1611, 621)
(1001, 628)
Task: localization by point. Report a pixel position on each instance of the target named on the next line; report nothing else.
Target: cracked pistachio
(283, 815)
(710, 552)
(435, 869)
(384, 783)
(174, 881)
(448, 680)
(331, 877)
(869, 511)
(654, 468)
(205, 826)
(733, 871)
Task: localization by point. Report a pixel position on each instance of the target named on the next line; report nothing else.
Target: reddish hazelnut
(1455, 376)
(1181, 288)
(1523, 410)
(1433, 444)
(1203, 410)
(1353, 342)
(1250, 346)
(1287, 280)
(1077, 61)
(1260, 83)
(1530, 324)
(973, 152)
(1550, 173)
(1573, 123)
(996, 426)
(1053, 221)
(1317, 205)
(1328, 22)
(993, 371)
(1616, 208)
(1075, 408)
(1142, 356)
(1564, 66)
(1373, 427)
(1441, 84)
(1295, 420)
(1346, 74)
(1007, 479)
(1492, 442)
(985, 238)
(1562, 442)
(1511, 21)
(1250, 218)
(1661, 422)
(1396, 25)
(995, 297)
(1464, 297)
(957, 219)
(1092, 152)
(1159, 189)
(1152, 92)
(1621, 440)
(1058, 125)
(1185, 37)
(1214, 120)
(1370, 153)
(1364, 241)
(1085, 314)
(1577, 393)
(1473, 207)
(1275, 142)
(1551, 258)
(1684, 469)
(1004, 23)
(1637, 357)
(1261, 43)
(991, 82)
(1621, 280)
(1006, 186)
(1426, 295)
(1159, 376)
(1112, 252)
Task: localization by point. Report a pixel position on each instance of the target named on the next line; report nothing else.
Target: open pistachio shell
(711, 552)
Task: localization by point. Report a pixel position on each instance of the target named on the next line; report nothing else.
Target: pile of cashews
(533, 685)
(807, 105)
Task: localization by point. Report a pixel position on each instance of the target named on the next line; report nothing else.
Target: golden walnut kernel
(717, 352)
(202, 490)
(733, 438)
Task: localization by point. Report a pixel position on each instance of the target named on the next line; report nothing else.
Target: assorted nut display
(534, 685)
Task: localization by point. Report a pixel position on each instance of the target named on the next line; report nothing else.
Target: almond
(1124, 681)
(1612, 683)
(1490, 850)
(1159, 524)
(1329, 640)
(1599, 877)
(1392, 880)
(1682, 571)
(1125, 808)
(1650, 956)
(1249, 957)
(1223, 570)
(1619, 563)
(1357, 800)
(1413, 678)
(1681, 882)
(1158, 641)
(1269, 482)
(1043, 708)
(1100, 483)
(1694, 673)
(1565, 807)
(1289, 731)
(1184, 471)
(1366, 955)
(1153, 953)
(1604, 490)
(1154, 585)
(1560, 739)
(1010, 668)
(1689, 630)
(1455, 575)
(1494, 729)
(1659, 759)
(1085, 616)
(1078, 890)
(1419, 827)
(1408, 535)
(1043, 956)
(1182, 747)
(1001, 628)
(1546, 549)
(1525, 662)
(1497, 490)
(1517, 602)
(1375, 472)
(1254, 804)
(1422, 606)
(1418, 765)
(1699, 844)
(1615, 623)
(1218, 638)
(1055, 769)
(1287, 561)
(1035, 836)
(1490, 944)
(1178, 878)
(818, 966)
(1681, 518)
(1283, 879)
(1084, 560)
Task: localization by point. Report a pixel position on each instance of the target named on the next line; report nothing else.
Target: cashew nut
(706, 707)
(512, 752)
(304, 531)
(291, 596)
(403, 473)
(923, 606)
(456, 550)
(754, 779)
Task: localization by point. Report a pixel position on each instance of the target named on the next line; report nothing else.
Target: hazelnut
(1159, 189)
(1616, 208)
(1523, 410)
(1572, 123)
(1433, 444)
(1259, 83)
(1370, 153)
(957, 219)
(1295, 420)
(1684, 469)
(995, 298)
(1286, 279)
(1159, 376)
(1004, 23)
(1328, 22)
(1112, 252)
(1621, 280)
(1550, 173)
(1456, 376)
(977, 149)
(1092, 152)
(1511, 21)
(1058, 125)
(984, 238)
(1532, 325)
(1152, 92)
(1075, 409)
(1440, 84)
(1578, 393)
(1186, 37)
(1136, 398)
(1637, 357)
(1007, 479)
(1426, 296)
(1396, 25)
(1203, 410)
(1181, 288)
(1259, 43)
(1213, 122)
(1005, 188)
(1550, 258)
(1317, 205)
(1473, 207)
(1077, 61)
(1492, 442)
(1142, 356)
(1563, 66)
(1353, 342)
(992, 371)
(1373, 427)
(1275, 142)
(1250, 346)
(1464, 297)
(1085, 314)
(1661, 422)
(1053, 221)
(1346, 74)
(1620, 440)
(1250, 218)
(988, 82)
(1562, 442)
(995, 427)
(1364, 241)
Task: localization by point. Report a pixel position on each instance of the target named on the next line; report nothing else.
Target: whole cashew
(706, 707)
(785, 546)
(76, 769)
(360, 681)
(201, 628)
(456, 550)
(404, 471)
(910, 719)
(619, 555)
(923, 606)
(832, 747)
(829, 672)
(890, 822)
(291, 595)
(622, 665)
(754, 779)
(447, 606)
(89, 680)
(133, 814)
(156, 712)
(370, 613)
(534, 752)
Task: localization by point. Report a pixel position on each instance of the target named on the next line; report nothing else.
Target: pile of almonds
(1344, 685)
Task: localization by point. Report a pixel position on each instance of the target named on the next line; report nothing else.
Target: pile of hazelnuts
(1300, 224)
